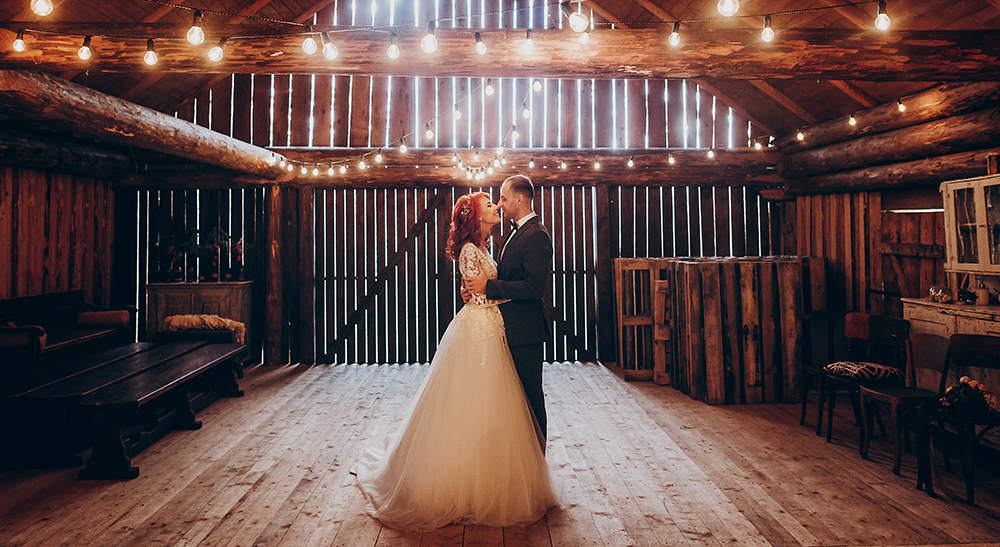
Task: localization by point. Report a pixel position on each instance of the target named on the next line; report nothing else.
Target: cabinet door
(991, 199)
(966, 230)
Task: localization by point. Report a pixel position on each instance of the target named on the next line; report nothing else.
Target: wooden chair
(927, 352)
(883, 340)
(970, 350)
(819, 343)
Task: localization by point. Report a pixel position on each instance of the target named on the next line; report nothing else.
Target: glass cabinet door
(992, 198)
(965, 225)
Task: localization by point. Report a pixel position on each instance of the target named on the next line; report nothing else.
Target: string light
(728, 8)
(578, 21)
(767, 34)
(303, 170)
(480, 45)
(799, 135)
(330, 51)
(675, 35)
(428, 132)
(429, 42)
(503, 161)
(536, 85)
(500, 150)
(514, 135)
(85, 53)
(525, 112)
(710, 154)
(585, 37)
(489, 87)
(329, 171)
(475, 156)
(393, 50)
(489, 170)
(597, 165)
(215, 54)
(757, 145)
(309, 43)
(900, 106)
(315, 170)
(531, 163)
(343, 169)
(282, 163)
(195, 35)
(671, 160)
(852, 121)
(272, 159)
(150, 57)
(402, 146)
(455, 159)
(18, 44)
(42, 7)
(468, 174)
(882, 20)
(631, 162)
(362, 165)
(562, 165)
(290, 167)
(457, 113)
(378, 156)
(496, 162)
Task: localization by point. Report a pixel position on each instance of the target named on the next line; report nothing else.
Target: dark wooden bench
(136, 385)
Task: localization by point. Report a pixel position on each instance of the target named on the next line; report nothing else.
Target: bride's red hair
(465, 227)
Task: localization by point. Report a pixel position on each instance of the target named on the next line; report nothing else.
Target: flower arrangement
(211, 249)
(970, 398)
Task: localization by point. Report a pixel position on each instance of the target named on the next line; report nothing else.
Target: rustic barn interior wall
(56, 233)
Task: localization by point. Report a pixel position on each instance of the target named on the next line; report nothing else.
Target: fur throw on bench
(209, 322)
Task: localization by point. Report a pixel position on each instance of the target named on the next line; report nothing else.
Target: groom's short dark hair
(522, 185)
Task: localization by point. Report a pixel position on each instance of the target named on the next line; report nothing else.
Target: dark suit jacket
(524, 276)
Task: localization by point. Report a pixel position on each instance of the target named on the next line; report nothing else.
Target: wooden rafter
(859, 95)
(784, 100)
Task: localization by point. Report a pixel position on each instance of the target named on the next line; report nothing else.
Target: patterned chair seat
(865, 372)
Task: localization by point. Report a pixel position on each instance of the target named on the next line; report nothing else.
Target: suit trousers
(528, 362)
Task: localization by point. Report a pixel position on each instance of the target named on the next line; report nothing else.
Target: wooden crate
(723, 330)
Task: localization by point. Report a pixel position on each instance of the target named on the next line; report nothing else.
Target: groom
(524, 275)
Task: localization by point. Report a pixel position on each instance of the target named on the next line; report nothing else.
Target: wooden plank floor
(634, 463)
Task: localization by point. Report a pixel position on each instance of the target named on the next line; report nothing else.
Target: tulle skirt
(469, 451)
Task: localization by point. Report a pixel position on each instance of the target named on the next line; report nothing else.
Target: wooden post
(768, 329)
(306, 327)
(274, 351)
(715, 373)
(605, 307)
(731, 355)
(752, 374)
(694, 347)
(790, 304)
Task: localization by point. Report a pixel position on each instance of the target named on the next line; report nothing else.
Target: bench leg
(183, 415)
(110, 460)
(228, 383)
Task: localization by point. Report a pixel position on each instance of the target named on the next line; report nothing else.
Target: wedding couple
(472, 448)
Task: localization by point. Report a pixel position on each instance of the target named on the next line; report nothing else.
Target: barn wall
(56, 234)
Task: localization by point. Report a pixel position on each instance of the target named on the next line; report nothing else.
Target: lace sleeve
(470, 266)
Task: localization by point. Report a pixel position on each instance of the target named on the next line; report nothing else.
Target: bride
(469, 452)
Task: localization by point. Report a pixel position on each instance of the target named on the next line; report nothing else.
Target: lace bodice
(471, 261)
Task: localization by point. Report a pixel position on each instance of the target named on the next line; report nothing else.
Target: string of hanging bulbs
(578, 20)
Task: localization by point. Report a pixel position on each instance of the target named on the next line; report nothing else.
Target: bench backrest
(48, 309)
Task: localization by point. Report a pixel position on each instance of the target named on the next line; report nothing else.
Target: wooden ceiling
(784, 103)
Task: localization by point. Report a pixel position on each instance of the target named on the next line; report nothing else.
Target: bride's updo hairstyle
(465, 226)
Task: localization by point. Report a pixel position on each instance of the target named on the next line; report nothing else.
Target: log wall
(56, 234)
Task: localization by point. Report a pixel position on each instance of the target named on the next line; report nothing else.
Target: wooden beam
(710, 86)
(636, 53)
(859, 95)
(923, 173)
(937, 102)
(66, 106)
(980, 129)
(784, 100)
(45, 152)
(663, 14)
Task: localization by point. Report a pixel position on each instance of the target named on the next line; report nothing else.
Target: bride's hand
(477, 284)
(466, 295)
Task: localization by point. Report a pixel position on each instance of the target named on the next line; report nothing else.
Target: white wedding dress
(469, 452)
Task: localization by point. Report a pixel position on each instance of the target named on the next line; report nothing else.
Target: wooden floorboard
(632, 463)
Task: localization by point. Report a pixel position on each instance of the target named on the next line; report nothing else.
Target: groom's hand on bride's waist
(477, 284)
(466, 295)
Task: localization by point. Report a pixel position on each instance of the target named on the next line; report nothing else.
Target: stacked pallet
(723, 330)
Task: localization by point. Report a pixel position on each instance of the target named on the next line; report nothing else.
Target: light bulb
(85, 53)
(42, 7)
(282, 163)
(489, 87)
(496, 162)
(378, 156)
(330, 51)
(18, 44)
(503, 161)
(536, 85)
(272, 159)
(429, 42)
(526, 113)
(531, 163)
(800, 136)
(585, 37)
(480, 45)
(150, 57)
(315, 171)
(767, 34)
(195, 35)
(393, 51)
(290, 167)
(757, 145)
(454, 158)
(597, 164)
(343, 169)
(852, 120)
(362, 165)
(215, 54)
(303, 170)
(428, 132)
(489, 170)
(402, 147)
(468, 175)
(671, 160)
(475, 156)
(578, 21)
(514, 135)
(728, 8)
(309, 43)
(710, 154)
(562, 165)
(631, 162)
(457, 113)
(675, 35)
(882, 20)
(500, 150)
(900, 106)
(330, 171)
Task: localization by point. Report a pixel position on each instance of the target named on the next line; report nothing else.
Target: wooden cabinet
(972, 225)
(226, 299)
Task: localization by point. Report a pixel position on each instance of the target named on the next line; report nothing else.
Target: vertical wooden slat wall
(383, 249)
